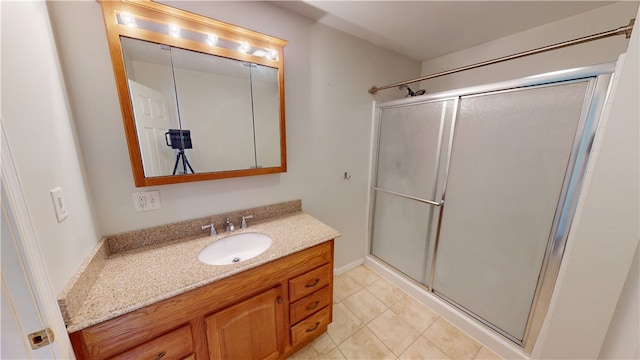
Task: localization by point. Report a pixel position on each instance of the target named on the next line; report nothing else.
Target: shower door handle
(430, 202)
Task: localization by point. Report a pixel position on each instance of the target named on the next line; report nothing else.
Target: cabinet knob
(279, 300)
(161, 355)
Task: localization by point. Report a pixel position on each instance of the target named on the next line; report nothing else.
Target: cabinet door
(252, 329)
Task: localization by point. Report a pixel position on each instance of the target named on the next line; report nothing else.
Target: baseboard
(349, 266)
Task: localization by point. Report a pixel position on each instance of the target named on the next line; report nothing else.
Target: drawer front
(309, 282)
(312, 326)
(309, 305)
(175, 345)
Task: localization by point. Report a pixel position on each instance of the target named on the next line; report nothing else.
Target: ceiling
(424, 30)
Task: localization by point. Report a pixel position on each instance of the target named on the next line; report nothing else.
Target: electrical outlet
(147, 200)
(59, 204)
(139, 201)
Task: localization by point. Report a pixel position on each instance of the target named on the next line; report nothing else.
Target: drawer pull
(313, 328)
(311, 307)
(312, 284)
(161, 355)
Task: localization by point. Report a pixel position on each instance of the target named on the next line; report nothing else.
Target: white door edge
(42, 288)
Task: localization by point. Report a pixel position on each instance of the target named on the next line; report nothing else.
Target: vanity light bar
(127, 19)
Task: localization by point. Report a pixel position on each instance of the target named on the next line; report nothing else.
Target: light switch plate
(153, 200)
(59, 204)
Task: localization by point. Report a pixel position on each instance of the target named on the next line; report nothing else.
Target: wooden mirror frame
(151, 11)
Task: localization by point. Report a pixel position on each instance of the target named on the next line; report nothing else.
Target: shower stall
(473, 191)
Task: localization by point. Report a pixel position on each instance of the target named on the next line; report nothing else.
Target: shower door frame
(434, 203)
(600, 78)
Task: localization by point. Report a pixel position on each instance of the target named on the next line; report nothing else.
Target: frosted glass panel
(509, 157)
(400, 234)
(408, 148)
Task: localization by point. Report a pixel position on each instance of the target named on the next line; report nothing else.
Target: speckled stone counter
(128, 280)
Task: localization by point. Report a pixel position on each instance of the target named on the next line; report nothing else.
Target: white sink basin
(234, 248)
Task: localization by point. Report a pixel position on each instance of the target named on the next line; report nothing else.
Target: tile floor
(373, 319)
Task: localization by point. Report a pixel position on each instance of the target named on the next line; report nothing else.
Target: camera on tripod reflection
(180, 140)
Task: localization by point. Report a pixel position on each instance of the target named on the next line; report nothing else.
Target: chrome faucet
(244, 221)
(230, 226)
(212, 232)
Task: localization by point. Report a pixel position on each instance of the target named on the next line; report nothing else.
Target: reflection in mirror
(200, 99)
(229, 107)
(266, 100)
(214, 98)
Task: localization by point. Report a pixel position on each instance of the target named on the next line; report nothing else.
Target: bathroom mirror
(200, 99)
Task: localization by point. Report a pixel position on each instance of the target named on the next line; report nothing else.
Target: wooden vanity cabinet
(267, 312)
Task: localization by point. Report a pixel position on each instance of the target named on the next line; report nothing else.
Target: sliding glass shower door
(474, 191)
(407, 182)
(510, 155)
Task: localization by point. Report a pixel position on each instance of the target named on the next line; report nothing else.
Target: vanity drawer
(309, 282)
(312, 326)
(309, 305)
(176, 345)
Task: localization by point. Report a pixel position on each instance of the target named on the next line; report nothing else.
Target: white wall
(40, 134)
(327, 74)
(604, 235)
(623, 336)
(591, 22)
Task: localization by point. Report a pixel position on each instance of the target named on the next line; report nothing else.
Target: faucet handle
(213, 229)
(244, 221)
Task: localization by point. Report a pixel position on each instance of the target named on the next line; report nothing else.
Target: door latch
(40, 338)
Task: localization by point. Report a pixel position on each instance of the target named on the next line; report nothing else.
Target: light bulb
(128, 19)
(212, 39)
(273, 55)
(244, 47)
(174, 30)
(260, 53)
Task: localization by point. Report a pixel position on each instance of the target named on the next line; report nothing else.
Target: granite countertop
(129, 280)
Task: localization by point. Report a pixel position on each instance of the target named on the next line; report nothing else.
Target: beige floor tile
(336, 299)
(451, 340)
(365, 345)
(344, 286)
(334, 354)
(364, 305)
(344, 324)
(394, 332)
(306, 353)
(323, 344)
(486, 354)
(363, 275)
(423, 349)
(386, 292)
(414, 313)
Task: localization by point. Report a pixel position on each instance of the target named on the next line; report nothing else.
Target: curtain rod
(623, 30)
